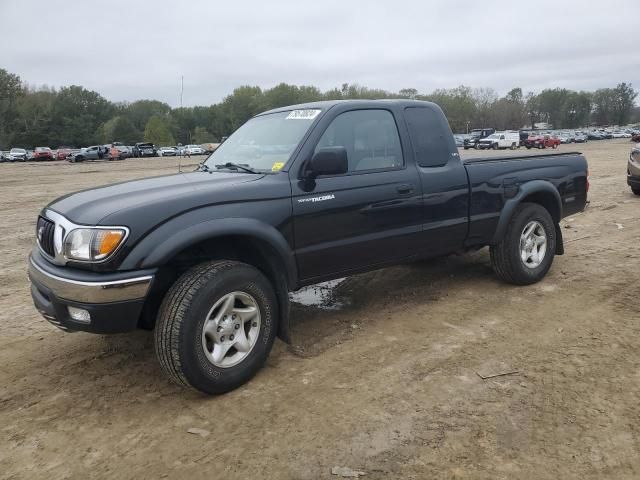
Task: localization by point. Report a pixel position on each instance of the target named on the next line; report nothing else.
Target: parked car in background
(63, 152)
(635, 138)
(193, 150)
(620, 134)
(209, 148)
(94, 152)
(580, 137)
(594, 135)
(167, 152)
(541, 141)
(42, 153)
(476, 135)
(500, 140)
(565, 137)
(459, 139)
(633, 170)
(125, 151)
(144, 149)
(3, 157)
(18, 155)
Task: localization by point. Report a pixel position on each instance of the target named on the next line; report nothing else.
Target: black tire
(541, 145)
(494, 146)
(178, 331)
(466, 148)
(528, 147)
(513, 146)
(505, 256)
(636, 191)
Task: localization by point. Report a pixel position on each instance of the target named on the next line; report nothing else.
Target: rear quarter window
(429, 137)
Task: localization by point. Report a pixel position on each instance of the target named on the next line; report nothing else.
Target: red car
(62, 153)
(42, 153)
(541, 141)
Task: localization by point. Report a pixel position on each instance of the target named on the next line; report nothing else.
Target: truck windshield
(266, 142)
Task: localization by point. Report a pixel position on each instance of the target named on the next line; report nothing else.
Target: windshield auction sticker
(309, 114)
(277, 166)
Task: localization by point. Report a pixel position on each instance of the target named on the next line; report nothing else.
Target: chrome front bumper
(112, 301)
(90, 291)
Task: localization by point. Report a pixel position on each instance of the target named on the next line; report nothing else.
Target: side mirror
(328, 161)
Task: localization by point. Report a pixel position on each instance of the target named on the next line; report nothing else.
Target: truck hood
(150, 200)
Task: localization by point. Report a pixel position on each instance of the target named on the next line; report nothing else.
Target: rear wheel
(555, 145)
(528, 247)
(513, 146)
(494, 146)
(636, 191)
(216, 326)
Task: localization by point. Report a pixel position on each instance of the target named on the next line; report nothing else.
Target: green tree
(202, 135)
(577, 110)
(78, 113)
(240, 106)
(552, 105)
(458, 104)
(410, 93)
(34, 118)
(10, 91)
(532, 108)
(119, 129)
(623, 103)
(603, 106)
(141, 111)
(158, 131)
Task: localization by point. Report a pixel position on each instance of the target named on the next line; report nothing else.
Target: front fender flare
(156, 249)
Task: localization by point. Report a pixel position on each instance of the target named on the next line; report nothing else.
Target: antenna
(181, 88)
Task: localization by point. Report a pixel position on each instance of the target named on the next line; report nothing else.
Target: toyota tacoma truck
(296, 196)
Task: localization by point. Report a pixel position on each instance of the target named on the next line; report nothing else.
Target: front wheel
(216, 326)
(526, 252)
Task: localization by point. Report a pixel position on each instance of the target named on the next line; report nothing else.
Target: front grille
(45, 230)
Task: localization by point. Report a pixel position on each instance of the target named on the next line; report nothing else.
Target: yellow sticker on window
(277, 166)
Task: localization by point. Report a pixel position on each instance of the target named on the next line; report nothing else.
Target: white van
(507, 139)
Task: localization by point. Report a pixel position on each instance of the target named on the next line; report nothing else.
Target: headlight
(92, 244)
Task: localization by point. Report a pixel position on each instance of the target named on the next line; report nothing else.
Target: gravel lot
(384, 377)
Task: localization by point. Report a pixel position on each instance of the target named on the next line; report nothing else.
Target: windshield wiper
(203, 167)
(237, 166)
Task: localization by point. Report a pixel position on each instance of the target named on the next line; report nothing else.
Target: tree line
(75, 116)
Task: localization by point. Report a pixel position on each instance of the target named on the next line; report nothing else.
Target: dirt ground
(384, 377)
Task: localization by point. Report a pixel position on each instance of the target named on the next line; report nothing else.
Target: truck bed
(495, 181)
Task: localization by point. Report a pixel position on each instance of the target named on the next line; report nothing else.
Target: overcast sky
(134, 49)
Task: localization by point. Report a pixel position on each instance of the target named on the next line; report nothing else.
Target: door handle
(405, 189)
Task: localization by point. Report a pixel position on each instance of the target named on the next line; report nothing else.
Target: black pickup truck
(296, 196)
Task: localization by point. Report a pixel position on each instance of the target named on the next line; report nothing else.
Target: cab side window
(429, 138)
(370, 138)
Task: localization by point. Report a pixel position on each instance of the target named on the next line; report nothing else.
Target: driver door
(368, 216)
